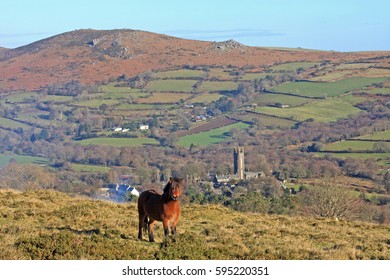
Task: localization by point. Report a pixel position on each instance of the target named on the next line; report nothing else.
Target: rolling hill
(75, 103)
(52, 225)
(91, 56)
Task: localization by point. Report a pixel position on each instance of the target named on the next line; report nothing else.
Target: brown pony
(165, 208)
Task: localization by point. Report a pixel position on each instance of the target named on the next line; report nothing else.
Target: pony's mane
(166, 189)
(169, 185)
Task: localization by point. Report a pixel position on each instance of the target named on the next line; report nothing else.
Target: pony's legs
(141, 224)
(173, 230)
(166, 231)
(146, 223)
(150, 230)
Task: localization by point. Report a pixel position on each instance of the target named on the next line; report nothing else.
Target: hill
(91, 56)
(52, 225)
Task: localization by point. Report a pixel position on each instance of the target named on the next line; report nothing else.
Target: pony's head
(174, 188)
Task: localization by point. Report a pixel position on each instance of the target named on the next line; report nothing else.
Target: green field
(210, 137)
(254, 76)
(326, 89)
(293, 66)
(353, 99)
(182, 73)
(220, 73)
(164, 97)
(353, 66)
(380, 136)
(5, 158)
(383, 91)
(272, 98)
(113, 88)
(139, 107)
(205, 98)
(382, 159)
(377, 72)
(123, 95)
(353, 146)
(327, 110)
(218, 86)
(11, 124)
(171, 85)
(327, 76)
(19, 97)
(89, 168)
(96, 103)
(119, 142)
(56, 98)
(264, 120)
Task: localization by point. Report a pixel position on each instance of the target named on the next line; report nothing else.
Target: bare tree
(329, 200)
(26, 177)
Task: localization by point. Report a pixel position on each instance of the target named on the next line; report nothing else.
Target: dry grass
(52, 225)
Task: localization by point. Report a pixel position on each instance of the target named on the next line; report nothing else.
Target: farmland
(213, 136)
(352, 146)
(89, 168)
(161, 98)
(381, 136)
(382, 159)
(198, 106)
(293, 66)
(22, 159)
(119, 142)
(171, 85)
(272, 98)
(305, 119)
(183, 73)
(329, 89)
(265, 120)
(327, 110)
(142, 107)
(11, 124)
(212, 86)
(205, 98)
(96, 103)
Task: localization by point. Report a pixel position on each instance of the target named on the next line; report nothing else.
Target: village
(122, 190)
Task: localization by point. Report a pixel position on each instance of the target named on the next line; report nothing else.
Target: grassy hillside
(52, 225)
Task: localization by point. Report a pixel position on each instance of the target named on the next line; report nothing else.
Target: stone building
(239, 169)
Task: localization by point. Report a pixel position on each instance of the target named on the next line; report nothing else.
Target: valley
(89, 106)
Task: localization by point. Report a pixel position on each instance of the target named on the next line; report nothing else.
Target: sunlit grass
(52, 225)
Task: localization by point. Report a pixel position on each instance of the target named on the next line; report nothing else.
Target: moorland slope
(91, 56)
(53, 225)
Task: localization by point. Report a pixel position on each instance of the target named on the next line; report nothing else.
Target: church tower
(239, 165)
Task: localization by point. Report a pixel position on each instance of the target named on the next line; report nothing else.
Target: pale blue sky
(341, 25)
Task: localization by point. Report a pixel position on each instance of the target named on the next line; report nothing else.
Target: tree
(328, 200)
(251, 202)
(25, 177)
(103, 108)
(168, 141)
(381, 147)
(245, 91)
(194, 170)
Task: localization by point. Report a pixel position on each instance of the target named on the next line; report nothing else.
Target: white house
(144, 127)
(133, 191)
